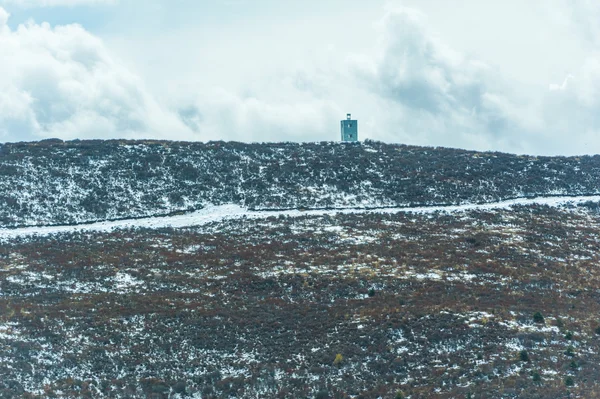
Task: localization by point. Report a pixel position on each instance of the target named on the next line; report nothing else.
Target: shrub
(159, 388)
(372, 292)
(338, 359)
(570, 351)
(179, 387)
(538, 318)
(399, 395)
(524, 356)
(574, 365)
(569, 381)
(569, 335)
(536, 377)
(322, 394)
(597, 330)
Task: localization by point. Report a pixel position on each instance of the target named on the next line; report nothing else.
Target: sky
(511, 76)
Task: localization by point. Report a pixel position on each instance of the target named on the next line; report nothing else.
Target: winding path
(227, 212)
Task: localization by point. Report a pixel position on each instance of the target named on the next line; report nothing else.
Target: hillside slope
(256, 295)
(484, 304)
(56, 182)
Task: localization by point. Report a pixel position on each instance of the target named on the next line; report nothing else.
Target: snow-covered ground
(226, 212)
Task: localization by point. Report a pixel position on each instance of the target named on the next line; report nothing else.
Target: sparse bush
(574, 365)
(322, 394)
(569, 381)
(597, 330)
(570, 351)
(399, 395)
(536, 377)
(179, 387)
(371, 292)
(569, 335)
(338, 359)
(159, 388)
(538, 318)
(524, 356)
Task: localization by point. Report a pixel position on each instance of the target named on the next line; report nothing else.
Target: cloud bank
(416, 90)
(63, 81)
(55, 3)
(438, 93)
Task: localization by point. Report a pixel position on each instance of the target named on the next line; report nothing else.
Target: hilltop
(54, 182)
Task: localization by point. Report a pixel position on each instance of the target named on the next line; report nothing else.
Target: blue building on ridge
(349, 129)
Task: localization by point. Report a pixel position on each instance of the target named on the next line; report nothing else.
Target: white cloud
(3, 18)
(283, 108)
(63, 82)
(430, 94)
(439, 96)
(584, 18)
(571, 109)
(55, 3)
(415, 87)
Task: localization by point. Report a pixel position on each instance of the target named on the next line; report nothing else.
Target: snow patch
(212, 214)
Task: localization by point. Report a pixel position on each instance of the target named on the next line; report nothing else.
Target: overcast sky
(516, 76)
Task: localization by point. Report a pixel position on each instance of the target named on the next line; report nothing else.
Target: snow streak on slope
(225, 212)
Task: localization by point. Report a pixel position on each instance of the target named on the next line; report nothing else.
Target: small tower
(349, 129)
